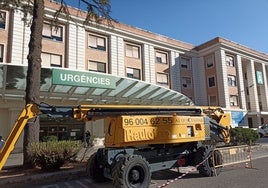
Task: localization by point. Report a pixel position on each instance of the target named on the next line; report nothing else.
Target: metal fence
(233, 156)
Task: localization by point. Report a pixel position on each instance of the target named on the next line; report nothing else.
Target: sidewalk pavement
(15, 161)
(260, 150)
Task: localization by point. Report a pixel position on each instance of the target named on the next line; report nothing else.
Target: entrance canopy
(86, 87)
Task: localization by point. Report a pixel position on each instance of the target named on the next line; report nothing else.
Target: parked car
(263, 130)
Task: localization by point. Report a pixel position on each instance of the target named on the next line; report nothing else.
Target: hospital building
(123, 64)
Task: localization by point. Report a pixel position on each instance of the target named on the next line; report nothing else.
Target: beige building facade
(219, 72)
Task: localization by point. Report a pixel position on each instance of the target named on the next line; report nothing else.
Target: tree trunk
(31, 131)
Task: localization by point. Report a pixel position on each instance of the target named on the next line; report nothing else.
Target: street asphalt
(260, 150)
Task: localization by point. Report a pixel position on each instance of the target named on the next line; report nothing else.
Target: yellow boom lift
(140, 140)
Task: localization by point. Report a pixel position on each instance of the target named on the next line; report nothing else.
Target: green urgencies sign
(84, 79)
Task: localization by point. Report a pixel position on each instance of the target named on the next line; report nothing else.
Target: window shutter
(92, 66)
(1, 51)
(57, 31)
(164, 58)
(128, 50)
(92, 41)
(45, 59)
(56, 60)
(100, 41)
(135, 51)
(46, 30)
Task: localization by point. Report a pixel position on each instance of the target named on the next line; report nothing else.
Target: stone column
(265, 92)
(117, 56)
(240, 80)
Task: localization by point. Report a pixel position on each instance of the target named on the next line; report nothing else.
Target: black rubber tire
(131, 171)
(93, 169)
(206, 169)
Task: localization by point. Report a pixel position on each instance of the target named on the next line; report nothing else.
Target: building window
(260, 105)
(132, 51)
(229, 61)
(231, 80)
(52, 32)
(185, 63)
(247, 90)
(213, 100)
(51, 60)
(133, 73)
(1, 53)
(97, 42)
(262, 120)
(186, 82)
(249, 106)
(250, 122)
(2, 20)
(97, 66)
(211, 82)
(162, 78)
(245, 76)
(161, 57)
(209, 61)
(258, 90)
(233, 100)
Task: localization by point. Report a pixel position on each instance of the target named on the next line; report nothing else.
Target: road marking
(68, 185)
(51, 186)
(80, 183)
(88, 180)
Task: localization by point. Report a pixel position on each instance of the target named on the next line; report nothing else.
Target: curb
(259, 146)
(43, 178)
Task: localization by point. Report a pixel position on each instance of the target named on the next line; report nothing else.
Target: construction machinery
(140, 140)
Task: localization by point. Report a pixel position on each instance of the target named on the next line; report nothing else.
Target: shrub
(52, 155)
(241, 136)
(49, 138)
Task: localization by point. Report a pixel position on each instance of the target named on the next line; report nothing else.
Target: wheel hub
(135, 175)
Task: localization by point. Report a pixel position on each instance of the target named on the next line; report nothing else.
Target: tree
(96, 11)
(31, 130)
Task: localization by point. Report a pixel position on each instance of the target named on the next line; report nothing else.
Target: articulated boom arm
(94, 112)
(221, 126)
(30, 111)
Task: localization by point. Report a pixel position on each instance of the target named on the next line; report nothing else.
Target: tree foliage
(26, 7)
(241, 136)
(96, 11)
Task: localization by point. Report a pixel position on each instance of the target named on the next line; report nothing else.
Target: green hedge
(52, 155)
(240, 136)
(49, 138)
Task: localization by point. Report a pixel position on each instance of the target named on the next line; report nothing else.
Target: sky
(198, 21)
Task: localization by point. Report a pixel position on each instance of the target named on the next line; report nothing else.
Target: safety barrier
(233, 156)
(229, 156)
